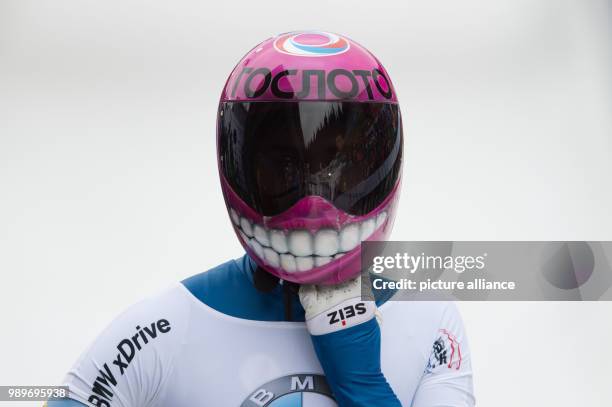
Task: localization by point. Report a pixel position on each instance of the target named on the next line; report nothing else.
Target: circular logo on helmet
(298, 390)
(311, 44)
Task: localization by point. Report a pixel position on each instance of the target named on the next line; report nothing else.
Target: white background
(108, 180)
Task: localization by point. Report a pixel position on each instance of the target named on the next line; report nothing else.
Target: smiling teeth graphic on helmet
(300, 250)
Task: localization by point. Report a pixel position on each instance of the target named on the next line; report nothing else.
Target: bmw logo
(298, 390)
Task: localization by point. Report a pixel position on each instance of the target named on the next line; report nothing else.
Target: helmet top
(309, 65)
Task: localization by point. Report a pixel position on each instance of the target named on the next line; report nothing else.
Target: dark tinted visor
(275, 153)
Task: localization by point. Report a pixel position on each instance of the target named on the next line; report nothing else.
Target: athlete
(309, 141)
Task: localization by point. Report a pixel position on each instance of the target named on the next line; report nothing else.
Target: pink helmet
(309, 141)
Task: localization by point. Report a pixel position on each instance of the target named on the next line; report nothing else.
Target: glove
(333, 308)
(346, 337)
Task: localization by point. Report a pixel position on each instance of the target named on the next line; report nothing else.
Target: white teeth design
(245, 225)
(278, 241)
(302, 250)
(367, 228)
(288, 263)
(321, 261)
(380, 219)
(350, 237)
(300, 243)
(244, 237)
(235, 217)
(257, 247)
(271, 257)
(304, 263)
(326, 242)
(261, 235)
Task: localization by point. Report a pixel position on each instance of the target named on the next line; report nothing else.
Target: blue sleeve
(351, 361)
(64, 403)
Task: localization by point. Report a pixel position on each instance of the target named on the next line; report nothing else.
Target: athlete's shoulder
(229, 289)
(132, 358)
(170, 301)
(231, 275)
(169, 307)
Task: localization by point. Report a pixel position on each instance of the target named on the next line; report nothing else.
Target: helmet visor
(275, 153)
